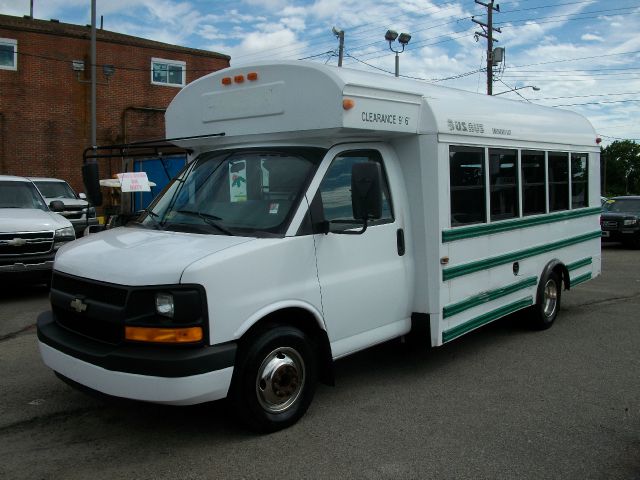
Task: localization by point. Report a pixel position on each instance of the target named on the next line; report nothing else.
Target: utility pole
(487, 32)
(340, 35)
(93, 74)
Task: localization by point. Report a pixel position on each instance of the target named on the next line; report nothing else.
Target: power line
(566, 15)
(576, 59)
(619, 138)
(592, 95)
(594, 103)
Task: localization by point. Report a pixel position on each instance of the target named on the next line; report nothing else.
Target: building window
(503, 182)
(579, 189)
(8, 54)
(467, 177)
(558, 181)
(533, 183)
(167, 72)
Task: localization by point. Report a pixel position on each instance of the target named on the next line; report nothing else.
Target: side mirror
(56, 206)
(91, 179)
(366, 191)
(82, 196)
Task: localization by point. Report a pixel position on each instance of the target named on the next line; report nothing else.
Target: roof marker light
(348, 103)
(598, 140)
(226, 81)
(252, 76)
(238, 78)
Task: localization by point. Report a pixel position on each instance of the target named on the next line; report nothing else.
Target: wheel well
(557, 267)
(561, 270)
(305, 321)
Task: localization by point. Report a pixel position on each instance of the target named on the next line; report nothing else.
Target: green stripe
(474, 323)
(467, 268)
(580, 279)
(485, 297)
(580, 263)
(506, 225)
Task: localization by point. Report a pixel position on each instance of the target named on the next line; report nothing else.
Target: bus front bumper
(137, 372)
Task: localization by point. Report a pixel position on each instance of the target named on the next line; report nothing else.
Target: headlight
(164, 304)
(173, 314)
(631, 221)
(63, 236)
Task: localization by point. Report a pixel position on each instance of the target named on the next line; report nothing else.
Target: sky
(582, 55)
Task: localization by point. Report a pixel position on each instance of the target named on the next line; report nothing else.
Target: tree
(620, 167)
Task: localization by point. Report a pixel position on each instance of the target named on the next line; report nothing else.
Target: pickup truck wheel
(545, 311)
(275, 379)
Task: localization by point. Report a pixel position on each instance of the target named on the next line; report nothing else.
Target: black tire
(547, 306)
(274, 378)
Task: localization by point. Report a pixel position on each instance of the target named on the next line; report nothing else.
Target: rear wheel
(545, 311)
(274, 379)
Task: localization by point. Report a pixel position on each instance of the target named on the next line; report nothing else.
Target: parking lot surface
(500, 402)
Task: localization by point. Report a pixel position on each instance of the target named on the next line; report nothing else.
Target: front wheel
(275, 378)
(545, 311)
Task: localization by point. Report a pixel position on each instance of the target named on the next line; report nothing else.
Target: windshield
(20, 195)
(248, 193)
(55, 189)
(622, 205)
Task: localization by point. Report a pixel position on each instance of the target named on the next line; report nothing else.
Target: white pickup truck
(30, 232)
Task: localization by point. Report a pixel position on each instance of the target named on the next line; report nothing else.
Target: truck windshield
(241, 192)
(55, 189)
(20, 195)
(623, 205)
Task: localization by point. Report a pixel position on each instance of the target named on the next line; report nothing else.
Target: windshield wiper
(209, 220)
(153, 216)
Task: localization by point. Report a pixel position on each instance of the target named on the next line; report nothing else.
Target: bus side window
(579, 180)
(533, 183)
(467, 179)
(558, 181)
(503, 182)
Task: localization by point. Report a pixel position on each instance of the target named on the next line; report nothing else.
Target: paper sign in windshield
(134, 182)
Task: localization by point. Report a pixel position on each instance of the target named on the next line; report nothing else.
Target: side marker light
(348, 104)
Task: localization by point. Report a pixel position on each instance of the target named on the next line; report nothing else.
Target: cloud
(280, 43)
(589, 37)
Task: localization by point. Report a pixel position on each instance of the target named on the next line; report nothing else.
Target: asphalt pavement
(500, 402)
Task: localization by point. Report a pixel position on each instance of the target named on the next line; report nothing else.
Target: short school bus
(324, 210)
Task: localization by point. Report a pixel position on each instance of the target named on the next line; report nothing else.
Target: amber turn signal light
(163, 335)
(348, 104)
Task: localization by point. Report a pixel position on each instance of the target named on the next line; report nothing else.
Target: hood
(68, 202)
(619, 215)
(30, 220)
(136, 256)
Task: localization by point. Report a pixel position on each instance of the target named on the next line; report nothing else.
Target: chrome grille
(25, 243)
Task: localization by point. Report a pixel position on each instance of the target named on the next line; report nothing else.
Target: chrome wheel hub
(280, 379)
(550, 301)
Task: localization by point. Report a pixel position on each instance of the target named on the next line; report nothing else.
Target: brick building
(45, 92)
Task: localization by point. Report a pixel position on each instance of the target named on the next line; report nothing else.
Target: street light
(533, 87)
(403, 39)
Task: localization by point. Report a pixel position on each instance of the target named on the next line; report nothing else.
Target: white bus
(322, 211)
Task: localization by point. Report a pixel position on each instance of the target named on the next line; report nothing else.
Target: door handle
(400, 241)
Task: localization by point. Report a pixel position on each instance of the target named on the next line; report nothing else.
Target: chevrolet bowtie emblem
(78, 305)
(17, 242)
